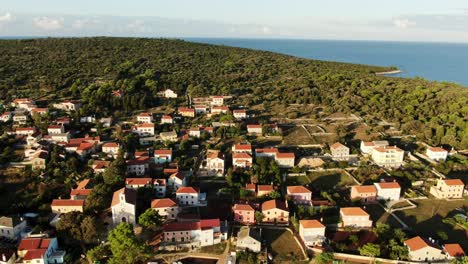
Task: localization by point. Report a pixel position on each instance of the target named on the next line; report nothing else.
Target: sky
(397, 20)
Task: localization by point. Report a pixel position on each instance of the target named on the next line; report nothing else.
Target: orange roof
(254, 126)
(189, 189)
(416, 243)
(138, 181)
(454, 182)
(241, 156)
(353, 211)
(35, 254)
(85, 146)
(337, 145)
(384, 149)
(146, 125)
(298, 189)
(274, 204)
(110, 145)
(240, 111)
(215, 154)
(34, 243)
(454, 250)
(250, 186)
(242, 207)
(178, 175)
(311, 224)
(144, 114)
(166, 117)
(163, 203)
(185, 109)
(285, 155)
(265, 188)
(54, 126)
(80, 192)
(365, 188)
(130, 196)
(389, 185)
(368, 144)
(163, 152)
(266, 150)
(437, 149)
(243, 147)
(67, 202)
(84, 183)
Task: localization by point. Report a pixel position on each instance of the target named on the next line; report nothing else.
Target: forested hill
(91, 68)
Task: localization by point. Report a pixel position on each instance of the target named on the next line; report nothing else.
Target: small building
(63, 206)
(162, 156)
(389, 156)
(138, 166)
(448, 189)
(195, 132)
(242, 160)
(206, 232)
(169, 136)
(364, 193)
(275, 211)
(240, 114)
(422, 250)
(111, 149)
(453, 251)
(166, 208)
(25, 131)
(99, 166)
(244, 213)
(215, 163)
(11, 227)
(355, 217)
(39, 111)
(242, 148)
(299, 194)
(249, 239)
(39, 160)
(255, 129)
(187, 112)
(367, 147)
(216, 110)
(6, 116)
(188, 196)
(123, 206)
(437, 154)
(137, 183)
(68, 106)
(146, 129)
(177, 180)
(339, 151)
(55, 129)
(40, 250)
(168, 93)
(285, 160)
(159, 187)
(200, 109)
(264, 190)
(167, 119)
(217, 100)
(145, 118)
(312, 232)
(388, 191)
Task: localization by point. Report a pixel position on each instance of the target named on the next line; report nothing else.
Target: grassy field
(297, 136)
(324, 180)
(426, 219)
(215, 249)
(282, 245)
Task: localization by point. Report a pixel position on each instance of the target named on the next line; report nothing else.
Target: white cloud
(48, 23)
(138, 26)
(266, 30)
(403, 23)
(7, 17)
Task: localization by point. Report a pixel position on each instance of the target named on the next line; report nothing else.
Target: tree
(114, 175)
(275, 195)
(77, 229)
(370, 250)
(258, 217)
(324, 258)
(442, 235)
(99, 199)
(124, 245)
(150, 219)
(98, 253)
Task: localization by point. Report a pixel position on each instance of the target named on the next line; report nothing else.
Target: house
(389, 156)
(82, 191)
(39, 111)
(82, 146)
(249, 239)
(388, 191)
(169, 136)
(299, 194)
(145, 118)
(106, 121)
(364, 193)
(177, 180)
(166, 208)
(216, 110)
(255, 129)
(123, 206)
(188, 196)
(68, 106)
(136, 183)
(437, 154)
(38, 250)
(23, 103)
(422, 250)
(187, 112)
(312, 232)
(159, 187)
(215, 163)
(63, 206)
(285, 160)
(266, 152)
(242, 160)
(200, 109)
(39, 160)
(240, 114)
(11, 227)
(162, 156)
(217, 100)
(194, 132)
(339, 151)
(138, 166)
(242, 148)
(206, 232)
(5, 117)
(146, 129)
(168, 93)
(58, 138)
(99, 166)
(33, 140)
(55, 129)
(111, 149)
(244, 213)
(25, 131)
(446, 189)
(166, 119)
(251, 188)
(453, 251)
(275, 211)
(367, 147)
(263, 190)
(355, 217)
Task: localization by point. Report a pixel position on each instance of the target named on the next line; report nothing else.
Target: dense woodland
(91, 68)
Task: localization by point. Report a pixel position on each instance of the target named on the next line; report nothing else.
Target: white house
(12, 227)
(169, 136)
(138, 166)
(136, 183)
(5, 117)
(194, 132)
(339, 151)
(111, 148)
(448, 189)
(145, 118)
(177, 180)
(437, 154)
(200, 109)
(367, 147)
(249, 239)
(388, 191)
(162, 156)
(255, 129)
(19, 118)
(124, 206)
(285, 160)
(242, 160)
(55, 129)
(355, 217)
(238, 148)
(68, 105)
(217, 100)
(312, 232)
(39, 250)
(389, 156)
(166, 208)
(159, 187)
(299, 194)
(146, 129)
(215, 163)
(168, 93)
(188, 196)
(166, 119)
(422, 250)
(240, 114)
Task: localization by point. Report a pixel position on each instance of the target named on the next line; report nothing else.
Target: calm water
(432, 61)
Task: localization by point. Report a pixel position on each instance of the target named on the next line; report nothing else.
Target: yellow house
(275, 211)
(452, 188)
(62, 206)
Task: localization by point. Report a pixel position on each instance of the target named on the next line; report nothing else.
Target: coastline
(388, 72)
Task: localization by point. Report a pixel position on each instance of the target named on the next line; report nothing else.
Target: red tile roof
(365, 188)
(254, 126)
(110, 145)
(389, 185)
(188, 189)
(285, 155)
(34, 243)
(298, 189)
(163, 152)
(67, 202)
(181, 226)
(416, 243)
(242, 207)
(138, 181)
(311, 224)
(163, 203)
(337, 145)
(453, 182)
(274, 204)
(82, 192)
(454, 250)
(34, 254)
(241, 156)
(265, 188)
(209, 223)
(437, 149)
(353, 211)
(243, 147)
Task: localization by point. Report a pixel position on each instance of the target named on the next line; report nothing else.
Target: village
(234, 185)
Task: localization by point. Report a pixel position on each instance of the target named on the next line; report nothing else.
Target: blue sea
(433, 61)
